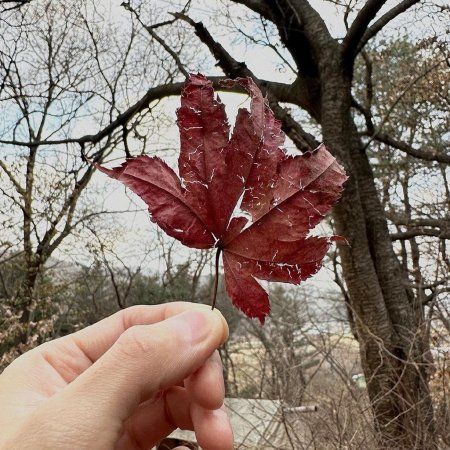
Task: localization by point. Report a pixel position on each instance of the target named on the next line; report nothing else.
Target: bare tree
(60, 73)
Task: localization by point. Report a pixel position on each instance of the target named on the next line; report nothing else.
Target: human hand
(123, 383)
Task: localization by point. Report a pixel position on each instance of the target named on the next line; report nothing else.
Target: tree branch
(421, 226)
(20, 190)
(403, 235)
(367, 116)
(383, 21)
(285, 93)
(303, 140)
(358, 28)
(258, 6)
(305, 35)
(431, 297)
(155, 93)
(379, 128)
(151, 31)
(18, 4)
(282, 91)
(420, 222)
(427, 155)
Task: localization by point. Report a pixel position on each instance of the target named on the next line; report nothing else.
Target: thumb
(146, 359)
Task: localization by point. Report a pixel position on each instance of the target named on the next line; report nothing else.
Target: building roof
(255, 423)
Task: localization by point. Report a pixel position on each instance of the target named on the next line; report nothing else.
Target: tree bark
(388, 322)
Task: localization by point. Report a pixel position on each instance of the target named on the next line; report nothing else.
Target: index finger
(73, 354)
(96, 339)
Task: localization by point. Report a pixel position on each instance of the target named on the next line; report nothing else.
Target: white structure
(257, 425)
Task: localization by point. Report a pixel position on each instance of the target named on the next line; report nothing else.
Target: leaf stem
(216, 278)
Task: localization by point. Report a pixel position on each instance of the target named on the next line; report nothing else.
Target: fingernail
(225, 330)
(198, 325)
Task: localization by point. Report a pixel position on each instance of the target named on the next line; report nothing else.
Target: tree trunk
(388, 323)
(26, 296)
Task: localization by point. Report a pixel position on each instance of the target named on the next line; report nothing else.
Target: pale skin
(123, 383)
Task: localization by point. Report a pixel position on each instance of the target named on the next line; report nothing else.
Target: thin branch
(266, 43)
(281, 90)
(367, 116)
(419, 222)
(303, 31)
(274, 47)
(46, 247)
(227, 63)
(348, 9)
(169, 50)
(433, 295)
(19, 4)
(11, 257)
(428, 285)
(399, 98)
(151, 31)
(152, 94)
(216, 278)
(427, 155)
(403, 235)
(20, 190)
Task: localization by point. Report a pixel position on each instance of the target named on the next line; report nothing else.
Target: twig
(216, 278)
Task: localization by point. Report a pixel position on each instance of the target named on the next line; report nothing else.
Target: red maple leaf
(281, 197)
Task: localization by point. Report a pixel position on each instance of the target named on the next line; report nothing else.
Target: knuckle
(136, 342)
(129, 315)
